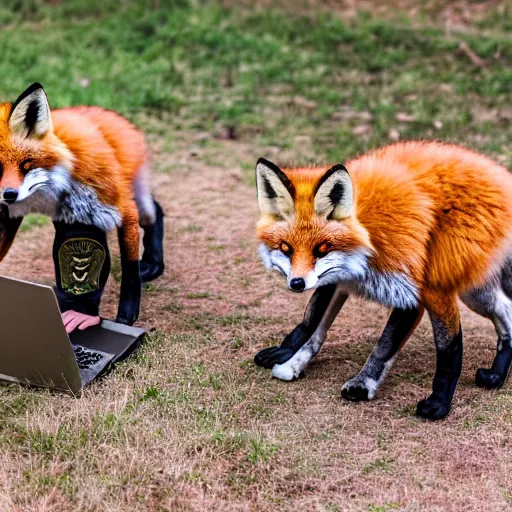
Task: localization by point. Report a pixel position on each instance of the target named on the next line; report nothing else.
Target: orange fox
(413, 226)
(85, 166)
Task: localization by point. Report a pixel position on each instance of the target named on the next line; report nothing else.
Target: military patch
(81, 261)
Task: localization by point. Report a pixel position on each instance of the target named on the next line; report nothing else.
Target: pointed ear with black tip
(334, 196)
(30, 115)
(275, 190)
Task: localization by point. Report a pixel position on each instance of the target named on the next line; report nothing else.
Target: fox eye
(25, 164)
(285, 249)
(322, 249)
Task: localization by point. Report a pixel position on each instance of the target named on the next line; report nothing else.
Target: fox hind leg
(152, 262)
(445, 318)
(492, 302)
(151, 219)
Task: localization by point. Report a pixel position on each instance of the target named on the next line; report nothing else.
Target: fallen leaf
(362, 129)
(404, 117)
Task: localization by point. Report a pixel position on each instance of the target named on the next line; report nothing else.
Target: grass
(189, 422)
(34, 220)
(266, 76)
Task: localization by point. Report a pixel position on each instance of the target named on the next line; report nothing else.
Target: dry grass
(451, 13)
(189, 423)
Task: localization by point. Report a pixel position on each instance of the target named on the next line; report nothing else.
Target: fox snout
(9, 195)
(297, 284)
(10, 185)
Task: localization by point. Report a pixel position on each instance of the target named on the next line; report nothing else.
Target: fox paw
(284, 372)
(355, 391)
(150, 270)
(268, 357)
(359, 388)
(486, 378)
(432, 409)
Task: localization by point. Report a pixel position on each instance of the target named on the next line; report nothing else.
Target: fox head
(308, 227)
(28, 147)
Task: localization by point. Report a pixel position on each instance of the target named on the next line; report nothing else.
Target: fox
(85, 165)
(413, 226)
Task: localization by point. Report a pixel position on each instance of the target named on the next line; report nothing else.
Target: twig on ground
(464, 49)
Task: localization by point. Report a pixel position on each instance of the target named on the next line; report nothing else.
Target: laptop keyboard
(86, 358)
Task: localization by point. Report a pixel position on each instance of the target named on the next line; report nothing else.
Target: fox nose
(10, 195)
(297, 284)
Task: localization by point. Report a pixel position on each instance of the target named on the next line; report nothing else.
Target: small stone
(394, 134)
(404, 117)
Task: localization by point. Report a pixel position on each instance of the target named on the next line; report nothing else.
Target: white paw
(359, 386)
(283, 372)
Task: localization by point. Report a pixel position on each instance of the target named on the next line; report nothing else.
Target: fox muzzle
(297, 284)
(9, 195)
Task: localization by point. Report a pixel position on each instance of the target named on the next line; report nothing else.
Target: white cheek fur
(311, 280)
(274, 260)
(353, 272)
(54, 193)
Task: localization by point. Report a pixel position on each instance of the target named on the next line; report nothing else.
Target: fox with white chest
(412, 226)
(86, 168)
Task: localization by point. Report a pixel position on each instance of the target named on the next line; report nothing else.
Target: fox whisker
(328, 271)
(281, 269)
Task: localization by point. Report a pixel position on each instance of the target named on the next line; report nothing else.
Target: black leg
(400, 326)
(496, 376)
(315, 310)
(8, 229)
(493, 301)
(448, 369)
(152, 263)
(130, 296)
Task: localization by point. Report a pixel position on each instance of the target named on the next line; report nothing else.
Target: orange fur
(438, 212)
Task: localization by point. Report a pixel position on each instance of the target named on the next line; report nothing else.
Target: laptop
(36, 350)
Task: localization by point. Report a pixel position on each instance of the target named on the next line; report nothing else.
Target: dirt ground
(191, 424)
(451, 13)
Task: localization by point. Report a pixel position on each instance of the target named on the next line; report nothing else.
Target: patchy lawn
(189, 423)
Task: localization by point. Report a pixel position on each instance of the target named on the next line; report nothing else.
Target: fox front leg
(400, 326)
(292, 368)
(315, 310)
(8, 229)
(131, 287)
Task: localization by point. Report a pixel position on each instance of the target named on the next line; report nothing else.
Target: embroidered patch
(81, 261)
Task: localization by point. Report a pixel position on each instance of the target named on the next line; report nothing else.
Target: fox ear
(334, 197)
(30, 114)
(275, 190)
